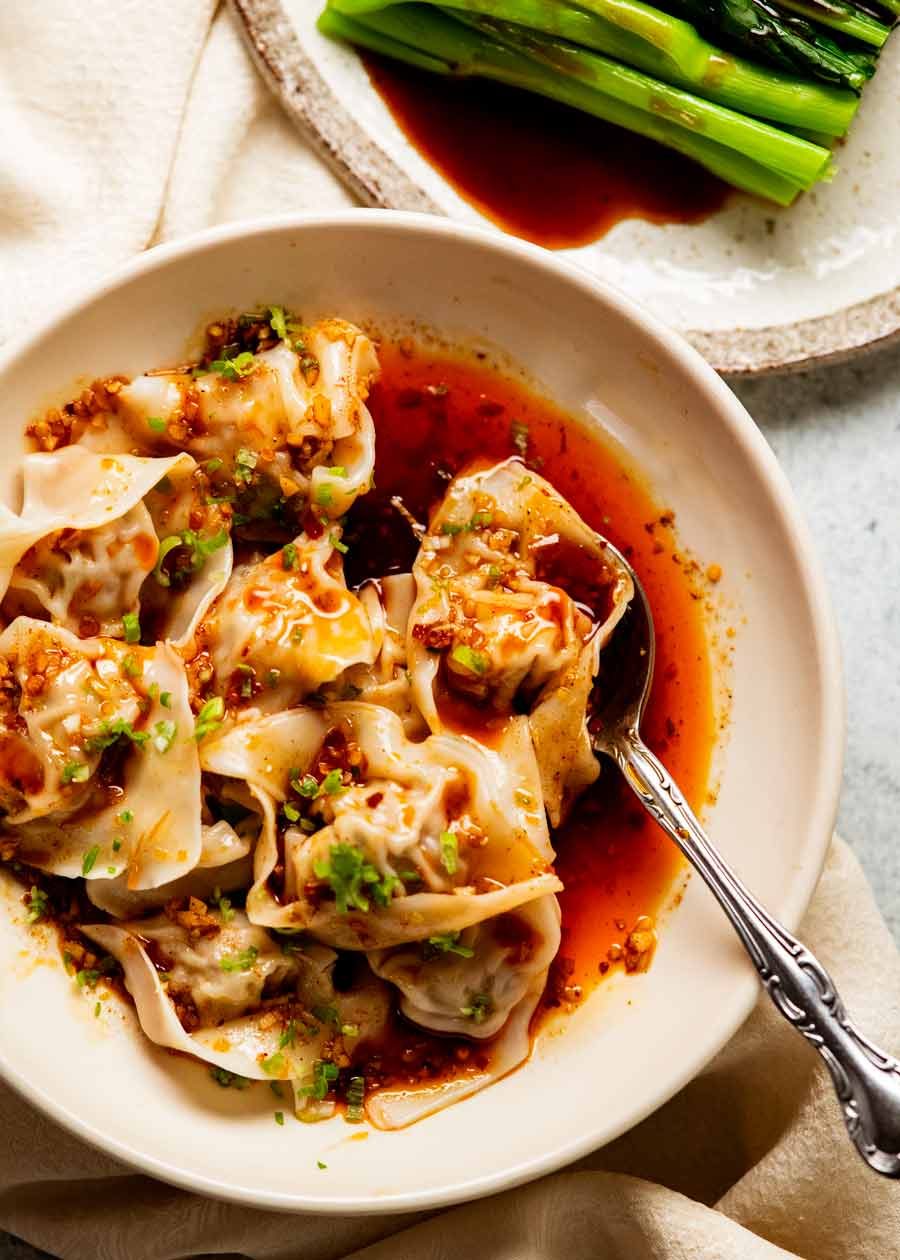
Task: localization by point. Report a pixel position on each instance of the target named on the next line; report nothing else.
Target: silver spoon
(867, 1080)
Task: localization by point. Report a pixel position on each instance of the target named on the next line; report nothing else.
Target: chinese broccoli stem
(748, 153)
(670, 49)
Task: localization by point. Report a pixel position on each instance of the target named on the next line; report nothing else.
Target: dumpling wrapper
(494, 625)
(175, 505)
(397, 1108)
(420, 791)
(61, 688)
(296, 618)
(225, 864)
(243, 1032)
(75, 489)
(386, 682)
(299, 426)
(160, 789)
(89, 580)
(473, 996)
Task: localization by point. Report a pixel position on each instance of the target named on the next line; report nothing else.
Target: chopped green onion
(332, 783)
(231, 369)
(113, 730)
(164, 735)
(337, 544)
(278, 322)
(116, 845)
(480, 1006)
(324, 495)
(131, 626)
(449, 852)
(165, 699)
(337, 470)
(213, 465)
(167, 545)
(291, 812)
(242, 961)
(474, 662)
(279, 1117)
(350, 876)
(356, 1093)
(126, 816)
(228, 1079)
(307, 786)
(451, 528)
(289, 1036)
(130, 666)
(156, 423)
(38, 904)
(324, 1075)
(327, 1014)
(209, 718)
(275, 1064)
(290, 557)
(277, 1088)
(244, 463)
(446, 943)
(223, 905)
(75, 772)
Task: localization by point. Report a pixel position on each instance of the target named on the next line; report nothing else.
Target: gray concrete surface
(837, 434)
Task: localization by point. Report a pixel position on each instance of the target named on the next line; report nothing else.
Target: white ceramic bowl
(636, 1041)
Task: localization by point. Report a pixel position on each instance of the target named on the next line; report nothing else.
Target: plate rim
(373, 176)
(824, 626)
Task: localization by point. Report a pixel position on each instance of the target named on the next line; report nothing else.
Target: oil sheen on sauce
(434, 415)
(538, 169)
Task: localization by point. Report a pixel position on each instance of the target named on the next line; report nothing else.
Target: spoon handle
(866, 1079)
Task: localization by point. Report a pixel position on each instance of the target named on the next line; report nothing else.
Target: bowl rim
(797, 537)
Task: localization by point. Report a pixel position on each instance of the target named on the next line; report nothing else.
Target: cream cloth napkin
(126, 123)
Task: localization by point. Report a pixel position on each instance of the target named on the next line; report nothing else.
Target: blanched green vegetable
(650, 70)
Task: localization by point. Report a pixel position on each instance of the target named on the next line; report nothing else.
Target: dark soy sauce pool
(536, 168)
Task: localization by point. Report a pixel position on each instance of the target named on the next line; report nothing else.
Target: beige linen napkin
(126, 123)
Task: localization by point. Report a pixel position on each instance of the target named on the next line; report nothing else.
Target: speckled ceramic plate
(755, 288)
